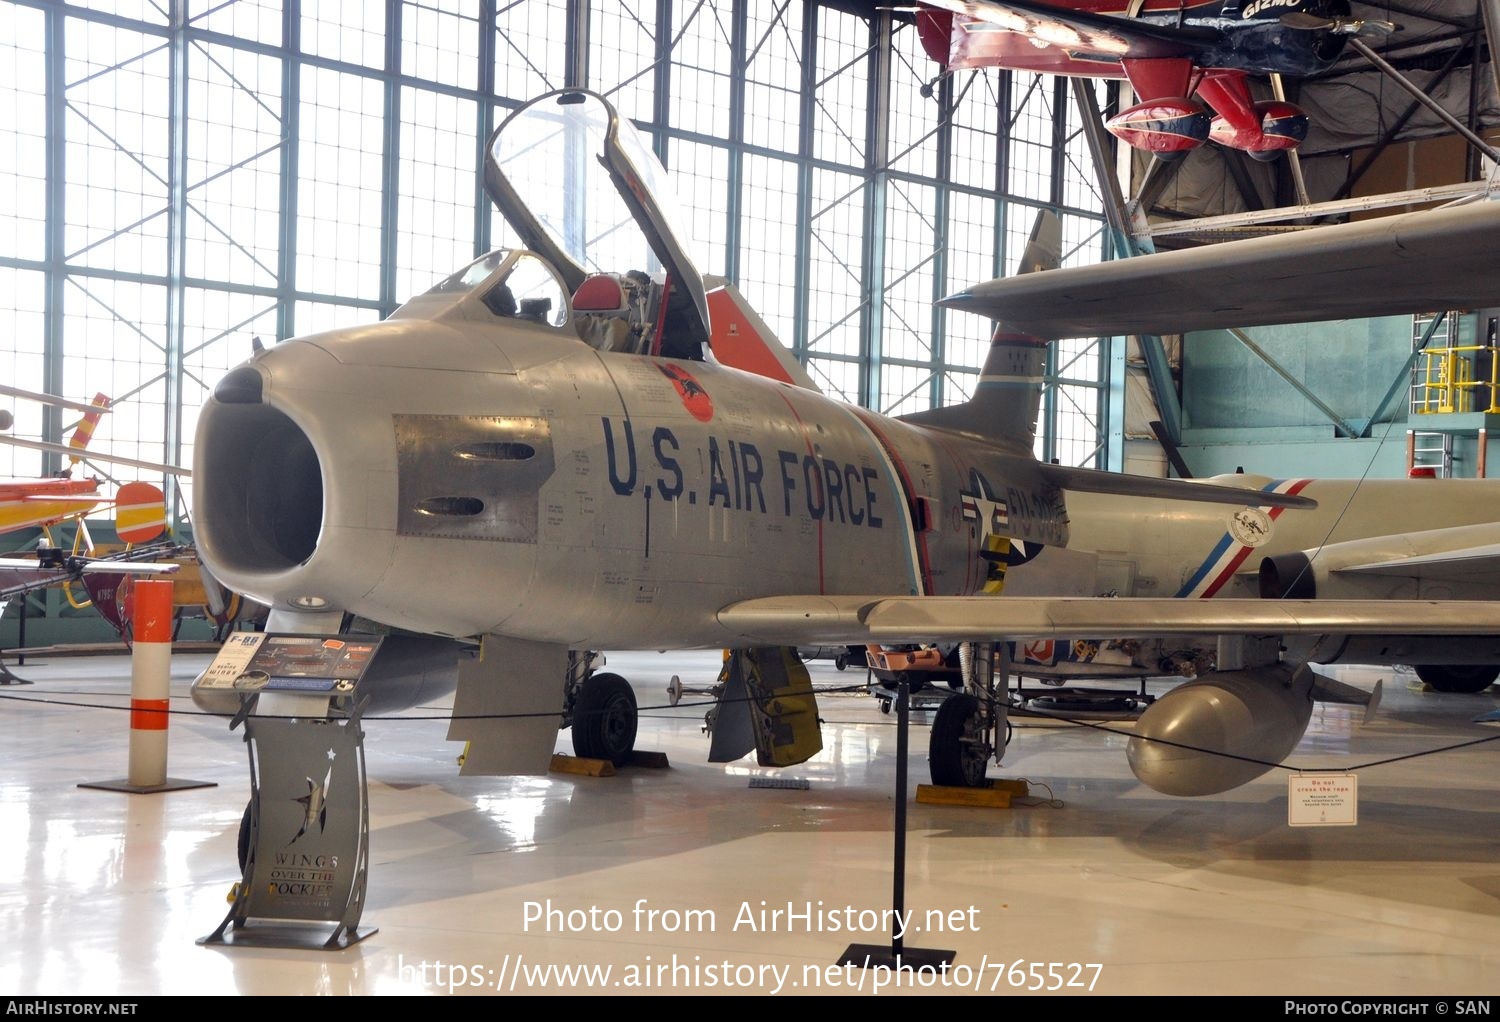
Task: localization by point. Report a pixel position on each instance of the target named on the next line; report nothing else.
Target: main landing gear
(1465, 678)
(970, 727)
(957, 752)
(601, 708)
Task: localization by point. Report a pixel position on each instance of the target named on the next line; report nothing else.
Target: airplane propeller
(1338, 26)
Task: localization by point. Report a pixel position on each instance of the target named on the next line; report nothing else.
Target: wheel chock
(997, 795)
(582, 767)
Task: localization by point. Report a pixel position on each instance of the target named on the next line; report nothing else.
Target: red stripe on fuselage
(924, 568)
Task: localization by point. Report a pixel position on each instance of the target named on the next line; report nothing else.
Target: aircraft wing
(1426, 261)
(860, 620)
(1461, 555)
(1078, 32)
(1445, 566)
(19, 576)
(108, 459)
(83, 503)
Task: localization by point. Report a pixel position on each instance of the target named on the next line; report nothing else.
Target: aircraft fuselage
(522, 483)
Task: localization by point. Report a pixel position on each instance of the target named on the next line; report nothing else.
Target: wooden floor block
(650, 760)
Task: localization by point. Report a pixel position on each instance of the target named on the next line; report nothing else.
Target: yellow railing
(1448, 378)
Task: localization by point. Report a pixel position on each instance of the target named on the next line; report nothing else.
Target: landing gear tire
(841, 661)
(604, 719)
(954, 762)
(1466, 678)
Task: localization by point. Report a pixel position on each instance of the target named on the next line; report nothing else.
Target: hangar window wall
(182, 176)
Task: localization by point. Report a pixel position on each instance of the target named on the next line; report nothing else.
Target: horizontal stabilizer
(1088, 480)
(1397, 265)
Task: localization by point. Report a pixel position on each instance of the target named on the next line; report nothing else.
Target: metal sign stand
(7, 678)
(307, 850)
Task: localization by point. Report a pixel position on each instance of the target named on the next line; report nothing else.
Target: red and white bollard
(150, 614)
(150, 681)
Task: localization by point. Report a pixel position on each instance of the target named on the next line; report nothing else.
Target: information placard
(1322, 800)
(233, 660)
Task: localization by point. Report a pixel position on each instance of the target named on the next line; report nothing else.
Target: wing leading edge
(1079, 32)
(858, 620)
(1414, 262)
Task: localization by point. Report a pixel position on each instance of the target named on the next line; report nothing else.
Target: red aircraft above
(1170, 51)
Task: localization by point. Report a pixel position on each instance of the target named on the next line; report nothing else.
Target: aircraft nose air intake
(243, 386)
(260, 486)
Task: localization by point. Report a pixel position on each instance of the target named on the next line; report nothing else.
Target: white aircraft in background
(547, 453)
(1372, 539)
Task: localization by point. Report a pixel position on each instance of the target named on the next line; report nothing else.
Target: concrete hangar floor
(687, 880)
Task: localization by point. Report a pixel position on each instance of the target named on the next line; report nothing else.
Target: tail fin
(140, 513)
(1006, 401)
(79, 441)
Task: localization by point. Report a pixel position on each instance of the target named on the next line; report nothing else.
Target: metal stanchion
(896, 955)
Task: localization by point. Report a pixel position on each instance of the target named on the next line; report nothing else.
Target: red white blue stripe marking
(1229, 553)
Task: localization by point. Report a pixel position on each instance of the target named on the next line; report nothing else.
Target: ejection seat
(610, 311)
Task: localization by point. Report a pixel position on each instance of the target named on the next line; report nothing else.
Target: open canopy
(583, 188)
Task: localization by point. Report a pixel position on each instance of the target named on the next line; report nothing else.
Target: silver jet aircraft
(548, 453)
